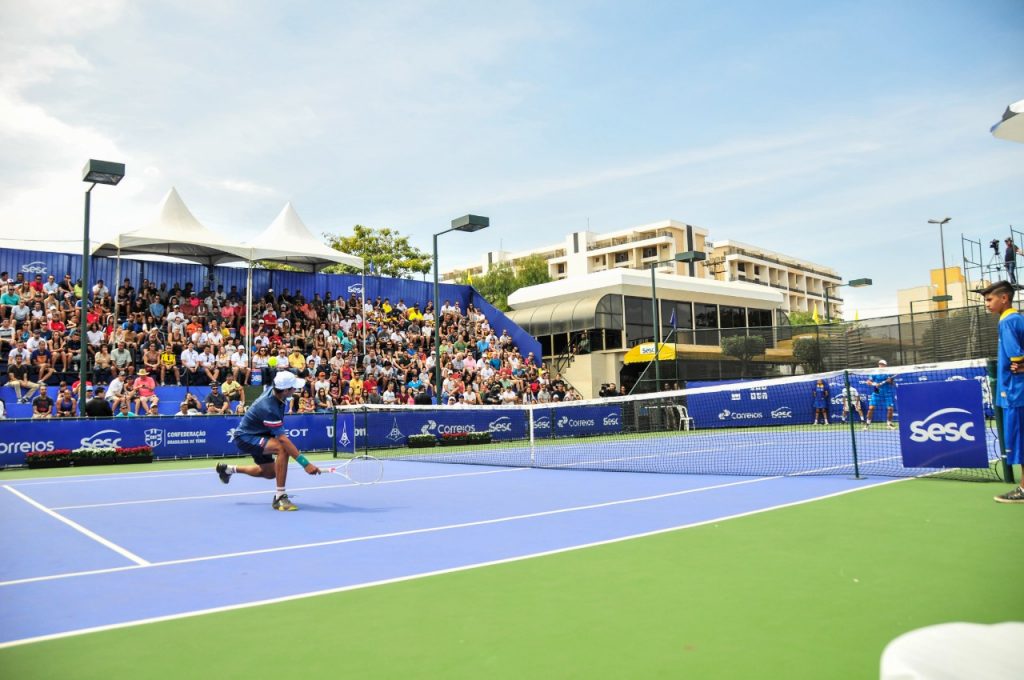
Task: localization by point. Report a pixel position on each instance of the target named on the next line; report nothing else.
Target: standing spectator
(1010, 376)
(17, 377)
(97, 406)
(42, 406)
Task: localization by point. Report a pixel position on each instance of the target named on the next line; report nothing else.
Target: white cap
(883, 362)
(285, 380)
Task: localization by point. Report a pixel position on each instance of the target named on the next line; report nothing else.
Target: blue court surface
(92, 552)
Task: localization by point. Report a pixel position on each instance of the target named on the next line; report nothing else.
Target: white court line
(303, 489)
(393, 534)
(438, 572)
(78, 527)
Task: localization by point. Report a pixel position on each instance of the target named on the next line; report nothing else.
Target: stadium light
(95, 172)
(467, 223)
(852, 283)
(687, 257)
(942, 244)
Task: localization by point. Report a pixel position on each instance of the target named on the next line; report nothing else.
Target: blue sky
(830, 131)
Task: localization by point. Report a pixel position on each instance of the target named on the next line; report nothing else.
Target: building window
(742, 267)
(639, 326)
(621, 257)
(705, 321)
(650, 251)
(561, 268)
(757, 270)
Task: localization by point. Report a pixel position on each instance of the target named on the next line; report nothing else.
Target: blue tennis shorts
(881, 401)
(254, 445)
(1013, 434)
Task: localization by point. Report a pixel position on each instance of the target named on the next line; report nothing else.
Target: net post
(853, 431)
(997, 413)
(533, 443)
(334, 430)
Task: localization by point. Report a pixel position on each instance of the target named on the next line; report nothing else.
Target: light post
(687, 257)
(465, 223)
(942, 243)
(853, 283)
(95, 172)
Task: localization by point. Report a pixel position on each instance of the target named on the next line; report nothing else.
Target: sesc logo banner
(942, 424)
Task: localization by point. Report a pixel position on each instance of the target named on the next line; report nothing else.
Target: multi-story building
(584, 252)
(922, 298)
(802, 283)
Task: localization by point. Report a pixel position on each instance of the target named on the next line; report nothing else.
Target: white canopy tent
(178, 234)
(1011, 127)
(289, 241)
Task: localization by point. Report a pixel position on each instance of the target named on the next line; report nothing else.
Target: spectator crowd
(350, 352)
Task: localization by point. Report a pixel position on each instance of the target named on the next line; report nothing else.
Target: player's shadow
(334, 508)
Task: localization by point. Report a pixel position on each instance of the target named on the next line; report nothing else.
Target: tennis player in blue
(883, 394)
(1009, 376)
(819, 398)
(262, 435)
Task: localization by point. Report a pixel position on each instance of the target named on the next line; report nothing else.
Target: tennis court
(175, 542)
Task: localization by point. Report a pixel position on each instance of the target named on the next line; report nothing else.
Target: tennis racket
(364, 469)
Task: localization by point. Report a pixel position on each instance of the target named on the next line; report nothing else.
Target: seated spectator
(191, 404)
(169, 364)
(124, 411)
(323, 403)
(233, 390)
(42, 360)
(151, 360)
(18, 378)
(67, 405)
(216, 402)
(144, 388)
(42, 406)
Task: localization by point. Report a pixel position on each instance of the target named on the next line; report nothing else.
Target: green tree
(390, 253)
(801, 318)
(502, 280)
(743, 348)
(810, 352)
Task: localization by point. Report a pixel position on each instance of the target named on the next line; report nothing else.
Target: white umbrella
(1011, 127)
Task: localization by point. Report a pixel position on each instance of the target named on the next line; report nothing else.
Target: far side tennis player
(262, 435)
(1009, 376)
(882, 383)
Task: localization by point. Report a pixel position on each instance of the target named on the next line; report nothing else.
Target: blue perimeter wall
(31, 263)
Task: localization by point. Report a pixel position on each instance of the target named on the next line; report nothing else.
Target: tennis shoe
(891, 426)
(222, 472)
(284, 504)
(1015, 496)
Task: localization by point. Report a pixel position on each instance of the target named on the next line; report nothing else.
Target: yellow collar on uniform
(1007, 313)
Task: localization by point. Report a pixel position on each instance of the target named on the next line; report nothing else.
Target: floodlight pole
(95, 172)
(468, 223)
(83, 353)
(942, 244)
(853, 283)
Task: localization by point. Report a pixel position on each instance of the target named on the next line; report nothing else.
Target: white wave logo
(36, 267)
(611, 420)
(942, 432)
(566, 421)
(356, 288)
(154, 437)
(726, 414)
(954, 378)
(542, 423)
(782, 412)
(502, 424)
(104, 439)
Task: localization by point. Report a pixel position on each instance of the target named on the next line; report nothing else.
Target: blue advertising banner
(942, 425)
(788, 404)
(170, 437)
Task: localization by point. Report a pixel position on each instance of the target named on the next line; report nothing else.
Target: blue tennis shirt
(1011, 348)
(264, 418)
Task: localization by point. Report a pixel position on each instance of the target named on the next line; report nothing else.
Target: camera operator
(1010, 260)
(608, 390)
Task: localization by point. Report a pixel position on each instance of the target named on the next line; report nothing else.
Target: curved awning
(567, 316)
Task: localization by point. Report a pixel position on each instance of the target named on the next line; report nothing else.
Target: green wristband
(301, 460)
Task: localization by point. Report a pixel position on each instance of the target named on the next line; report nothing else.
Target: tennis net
(787, 426)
